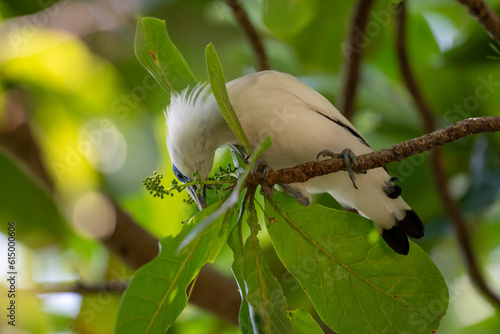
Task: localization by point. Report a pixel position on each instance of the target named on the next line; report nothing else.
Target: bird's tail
(397, 236)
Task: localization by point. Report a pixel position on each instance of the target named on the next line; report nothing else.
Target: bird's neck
(220, 133)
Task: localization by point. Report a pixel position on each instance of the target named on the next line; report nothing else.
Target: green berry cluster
(216, 182)
(225, 173)
(155, 188)
(229, 173)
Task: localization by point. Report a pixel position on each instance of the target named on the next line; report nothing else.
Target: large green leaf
(355, 281)
(160, 57)
(157, 293)
(264, 294)
(303, 322)
(218, 85)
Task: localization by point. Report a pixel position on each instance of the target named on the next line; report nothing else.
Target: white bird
(302, 123)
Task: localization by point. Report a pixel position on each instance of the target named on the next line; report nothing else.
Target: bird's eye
(181, 177)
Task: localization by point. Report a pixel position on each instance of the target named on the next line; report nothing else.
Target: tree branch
(440, 178)
(251, 33)
(16, 135)
(308, 170)
(485, 16)
(355, 45)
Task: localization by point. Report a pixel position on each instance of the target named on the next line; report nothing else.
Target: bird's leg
(349, 160)
(239, 170)
(238, 150)
(264, 168)
(303, 200)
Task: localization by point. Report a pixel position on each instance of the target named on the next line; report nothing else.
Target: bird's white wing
(300, 120)
(312, 98)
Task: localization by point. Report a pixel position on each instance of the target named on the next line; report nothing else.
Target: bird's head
(192, 126)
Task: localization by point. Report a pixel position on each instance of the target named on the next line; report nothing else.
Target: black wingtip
(412, 225)
(397, 239)
(392, 190)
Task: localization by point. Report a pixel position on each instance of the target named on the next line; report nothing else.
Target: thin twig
(439, 173)
(408, 77)
(485, 16)
(355, 45)
(251, 33)
(117, 286)
(308, 170)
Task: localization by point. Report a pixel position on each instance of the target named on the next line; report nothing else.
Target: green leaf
(303, 322)
(235, 242)
(495, 48)
(156, 52)
(231, 200)
(288, 17)
(355, 281)
(157, 293)
(264, 294)
(218, 85)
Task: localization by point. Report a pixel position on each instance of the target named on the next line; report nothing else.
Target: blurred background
(82, 125)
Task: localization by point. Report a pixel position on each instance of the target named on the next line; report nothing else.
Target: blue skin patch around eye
(199, 196)
(181, 177)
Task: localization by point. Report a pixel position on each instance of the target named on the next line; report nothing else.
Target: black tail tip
(412, 225)
(396, 237)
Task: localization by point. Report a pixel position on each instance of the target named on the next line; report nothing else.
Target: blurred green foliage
(97, 118)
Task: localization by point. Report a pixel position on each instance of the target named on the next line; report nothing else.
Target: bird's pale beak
(201, 199)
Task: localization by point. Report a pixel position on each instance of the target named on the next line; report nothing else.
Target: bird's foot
(235, 153)
(264, 168)
(349, 160)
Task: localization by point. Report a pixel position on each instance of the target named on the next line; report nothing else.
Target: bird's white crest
(195, 129)
(186, 105)
(302, 123)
